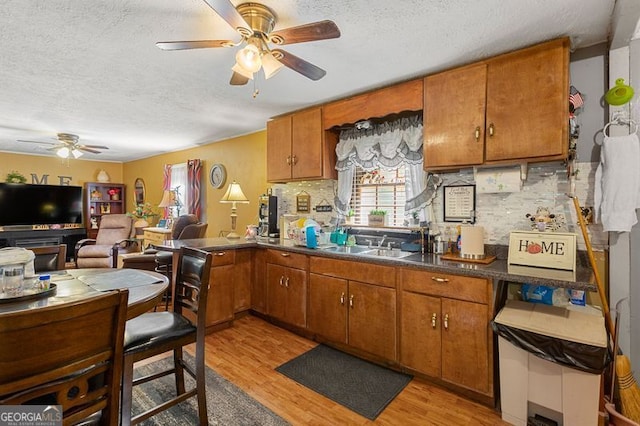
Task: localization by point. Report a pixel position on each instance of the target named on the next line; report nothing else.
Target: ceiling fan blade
(238, 79)
(197, 44)
(93, 146)
(300, 65)
(46, 143)
(85, 149)
(321, 30)
(228, 12)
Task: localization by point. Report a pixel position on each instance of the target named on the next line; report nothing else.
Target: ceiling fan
(68, 145)
(255, 22)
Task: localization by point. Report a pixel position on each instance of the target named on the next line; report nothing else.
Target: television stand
(42, 237)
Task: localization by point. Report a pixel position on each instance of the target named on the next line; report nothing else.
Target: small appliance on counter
(268, 215)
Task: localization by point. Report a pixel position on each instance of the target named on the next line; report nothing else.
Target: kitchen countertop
(497, 270)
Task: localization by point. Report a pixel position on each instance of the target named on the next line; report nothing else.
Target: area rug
(359, 385)
(227, 404)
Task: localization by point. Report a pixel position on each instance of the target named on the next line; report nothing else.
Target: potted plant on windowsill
(349, 219)
(377, 217)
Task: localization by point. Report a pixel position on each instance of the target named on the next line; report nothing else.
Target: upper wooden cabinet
(512, 108)
(375, 104)
(298, 149)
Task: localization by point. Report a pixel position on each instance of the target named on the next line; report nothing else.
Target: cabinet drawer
(446, 285)
(284, 258)
(355, 271)
(223, 257)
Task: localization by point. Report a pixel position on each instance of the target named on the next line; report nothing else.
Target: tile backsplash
(546, 186)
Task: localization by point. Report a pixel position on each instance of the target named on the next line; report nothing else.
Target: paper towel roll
(472, 242)
(490, 181)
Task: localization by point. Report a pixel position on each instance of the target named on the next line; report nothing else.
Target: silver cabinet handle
(281, 279)
(288, 159)
(440, 280)
(477, 134)
(286, 282)
(434, 316)
(446, 321)
(342, 298)
(221, 253)
(492, 129)
(351, 301)
(294, 159)
(285, 254)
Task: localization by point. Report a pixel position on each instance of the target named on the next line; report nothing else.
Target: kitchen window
(380, 167)
(378, 190)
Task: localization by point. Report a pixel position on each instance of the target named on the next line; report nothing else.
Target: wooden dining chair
(49, 258)
(154, 333)
(68, 355)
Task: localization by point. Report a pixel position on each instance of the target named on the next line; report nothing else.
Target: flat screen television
(24, 204)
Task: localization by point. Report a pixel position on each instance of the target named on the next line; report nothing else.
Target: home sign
(552, 250)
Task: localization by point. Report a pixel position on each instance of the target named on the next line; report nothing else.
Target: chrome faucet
(381, 241)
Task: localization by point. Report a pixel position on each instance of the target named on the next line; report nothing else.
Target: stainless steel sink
(388, 253)
(368, 251)
(349, 249)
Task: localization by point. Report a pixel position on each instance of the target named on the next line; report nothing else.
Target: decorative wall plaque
(459, 202)
(303, 202)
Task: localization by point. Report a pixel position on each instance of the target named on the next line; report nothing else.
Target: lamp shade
(270, 65)
(168, 199)
(234, 194)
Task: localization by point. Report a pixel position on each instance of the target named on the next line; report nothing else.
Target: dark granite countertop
(498, 270)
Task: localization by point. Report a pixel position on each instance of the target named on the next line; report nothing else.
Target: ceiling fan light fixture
(76, 153)
(270, 65)
(249, 58)
(63, 152)
(242, 71)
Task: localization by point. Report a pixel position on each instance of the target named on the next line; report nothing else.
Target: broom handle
(596, 273)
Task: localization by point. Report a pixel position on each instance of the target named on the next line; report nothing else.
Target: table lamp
(234, 195)
(170, 198)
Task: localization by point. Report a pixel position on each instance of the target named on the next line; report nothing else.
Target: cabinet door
(328, 307)
(276, 291)
(279, 149)
(372, 319)
(259, 282)
(420, 333)
(220, 297)
(243, 278)
(296, 298)
(465, 359)
(527, 103)
(306, 151)
(454, 109)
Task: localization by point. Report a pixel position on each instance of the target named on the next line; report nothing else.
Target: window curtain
(389, 145)
(166, 186)
(194, 179)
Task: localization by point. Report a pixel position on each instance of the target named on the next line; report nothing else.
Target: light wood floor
(248, 353)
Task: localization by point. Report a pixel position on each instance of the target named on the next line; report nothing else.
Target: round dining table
(146, 289)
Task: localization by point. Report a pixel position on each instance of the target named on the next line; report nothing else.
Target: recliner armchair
(185, 227)
(115, 236)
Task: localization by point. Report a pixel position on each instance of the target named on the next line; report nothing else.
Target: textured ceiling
(91, 68)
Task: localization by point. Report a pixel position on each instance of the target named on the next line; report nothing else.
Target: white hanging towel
(617, 183)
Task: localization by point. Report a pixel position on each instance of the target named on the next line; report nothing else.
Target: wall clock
(217, 175)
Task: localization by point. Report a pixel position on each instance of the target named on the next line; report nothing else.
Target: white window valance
(387, 145)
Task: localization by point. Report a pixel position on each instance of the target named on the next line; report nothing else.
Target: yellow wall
(75, 171)
(243, 157)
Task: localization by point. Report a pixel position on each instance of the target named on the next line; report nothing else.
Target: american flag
(575, 99)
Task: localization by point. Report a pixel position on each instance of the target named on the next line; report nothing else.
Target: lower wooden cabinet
(287, 294)
(361, 315)
(242, 280)
(445, 328)
(221, 286)
(259, 282)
